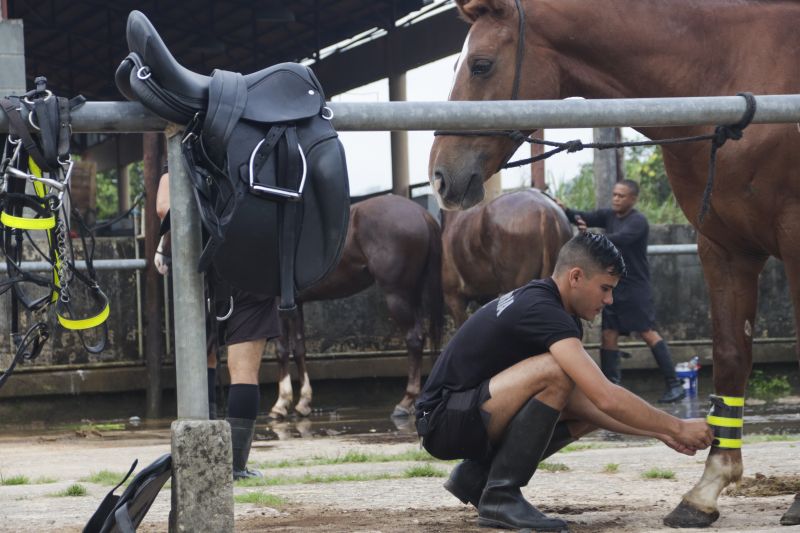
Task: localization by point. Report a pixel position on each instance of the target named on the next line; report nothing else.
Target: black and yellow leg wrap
(726, 419)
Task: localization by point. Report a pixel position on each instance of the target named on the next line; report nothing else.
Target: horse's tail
(433, 295)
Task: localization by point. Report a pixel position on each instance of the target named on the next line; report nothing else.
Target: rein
(721, 133)
(36, 156)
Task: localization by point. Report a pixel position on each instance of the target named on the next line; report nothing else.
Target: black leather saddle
(268, 169)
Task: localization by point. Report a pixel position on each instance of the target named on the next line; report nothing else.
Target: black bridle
(515, 135)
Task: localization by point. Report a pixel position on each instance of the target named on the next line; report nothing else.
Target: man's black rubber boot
(242, 431)
(527, 437)
(674, 390)
(467, 480)
(610, 365)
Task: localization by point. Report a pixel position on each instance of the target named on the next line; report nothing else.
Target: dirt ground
(584, 495)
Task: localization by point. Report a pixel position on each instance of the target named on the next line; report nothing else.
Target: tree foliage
(107, 182)
(644, 165)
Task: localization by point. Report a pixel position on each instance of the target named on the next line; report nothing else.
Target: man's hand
(695, 433)
(675, 445)
(580, 223)
(161, 260)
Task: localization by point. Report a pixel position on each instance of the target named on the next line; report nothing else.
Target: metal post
(537, 168)
(202, 486)
(605, 167)
(400, 178)
(190, 337)
(154, 343)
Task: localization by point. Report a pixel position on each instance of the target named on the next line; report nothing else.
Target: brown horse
(397, 244)
(659, 48)
(497, 246)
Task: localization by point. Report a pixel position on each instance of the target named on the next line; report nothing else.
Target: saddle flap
(282, 93)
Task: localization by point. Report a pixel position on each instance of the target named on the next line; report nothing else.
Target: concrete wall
(12, 58)
(354, 337)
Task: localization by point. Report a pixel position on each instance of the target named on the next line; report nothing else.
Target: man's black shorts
(254, 317)
(627, 318)
(456, 427)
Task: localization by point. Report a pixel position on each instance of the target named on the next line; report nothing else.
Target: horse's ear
(470, 10)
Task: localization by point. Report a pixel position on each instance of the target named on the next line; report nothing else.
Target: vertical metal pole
(605, 167)
(151, 143)
(187, 288)
(399, 139)
(537, 168)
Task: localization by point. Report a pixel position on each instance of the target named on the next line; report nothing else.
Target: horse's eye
(481, 67)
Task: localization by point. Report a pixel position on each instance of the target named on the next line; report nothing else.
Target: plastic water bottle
(694, 363)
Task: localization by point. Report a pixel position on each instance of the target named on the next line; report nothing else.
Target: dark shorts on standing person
(254, 317)
(456, 427)
(629, 317)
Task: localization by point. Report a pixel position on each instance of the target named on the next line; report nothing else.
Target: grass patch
(553, 467)
(349, 458)
(104, 477)
(426, 470)
(44, 480)
(611, 468)
(751, 439)
(767, 388)
(260, 498)
(271, 481)
(75, 489)
(658, 473)
(14, 480)
(580, 446)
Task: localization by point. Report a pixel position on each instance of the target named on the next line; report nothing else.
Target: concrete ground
(583, 487)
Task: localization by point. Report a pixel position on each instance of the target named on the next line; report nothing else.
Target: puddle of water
(368, 415)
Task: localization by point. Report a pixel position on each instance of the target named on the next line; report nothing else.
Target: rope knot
(517, 136)
(573, 146)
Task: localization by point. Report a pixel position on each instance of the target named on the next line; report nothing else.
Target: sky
(368, 153)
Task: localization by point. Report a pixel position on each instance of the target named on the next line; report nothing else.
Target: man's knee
(559, 384)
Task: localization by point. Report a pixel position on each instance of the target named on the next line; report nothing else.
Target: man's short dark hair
(593, 253)
(632, 185)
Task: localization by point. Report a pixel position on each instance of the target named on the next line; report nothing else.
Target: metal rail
(105, 117)
(99, 264)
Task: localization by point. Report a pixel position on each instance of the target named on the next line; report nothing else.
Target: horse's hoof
(277, 415)
(792, 516)
(303, 410)
(401, 412)
(684, 515)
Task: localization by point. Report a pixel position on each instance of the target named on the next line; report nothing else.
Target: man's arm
(162, 196)
(621, 404)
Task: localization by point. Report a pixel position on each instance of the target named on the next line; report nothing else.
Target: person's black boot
(242, 430)
(467, 480)
(610, 365)
(527, 437)
(674, 390)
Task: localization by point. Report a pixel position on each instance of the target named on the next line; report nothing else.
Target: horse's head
(490, 61)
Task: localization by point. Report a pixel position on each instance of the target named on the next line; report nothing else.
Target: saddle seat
(272, 92)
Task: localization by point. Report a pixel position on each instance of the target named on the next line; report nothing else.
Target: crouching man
(515, 385)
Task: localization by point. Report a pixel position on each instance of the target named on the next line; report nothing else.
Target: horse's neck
(650, 48)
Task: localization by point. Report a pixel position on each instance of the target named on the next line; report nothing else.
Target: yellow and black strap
(726, 419)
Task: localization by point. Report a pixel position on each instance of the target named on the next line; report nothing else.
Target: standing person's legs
(244, 361)
(674, 388)
(609, 349)
(211, 378)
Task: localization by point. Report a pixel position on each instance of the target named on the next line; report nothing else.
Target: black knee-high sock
(610, 365)
(243, 401)
(211, 377)
(664, 361)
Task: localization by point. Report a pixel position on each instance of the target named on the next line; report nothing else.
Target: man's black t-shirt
(517, 325)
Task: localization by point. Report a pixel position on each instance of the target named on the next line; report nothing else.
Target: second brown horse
(498, 246)
(397, 244)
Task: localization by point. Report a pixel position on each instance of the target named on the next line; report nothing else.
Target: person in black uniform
(633, 310)
(515, 385)
(250, 324)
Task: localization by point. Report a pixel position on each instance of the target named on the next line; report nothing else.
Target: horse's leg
(732, 281)
(457, 305)
(403, 311)
(283, 348)
(303, 407)
(791, 264)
